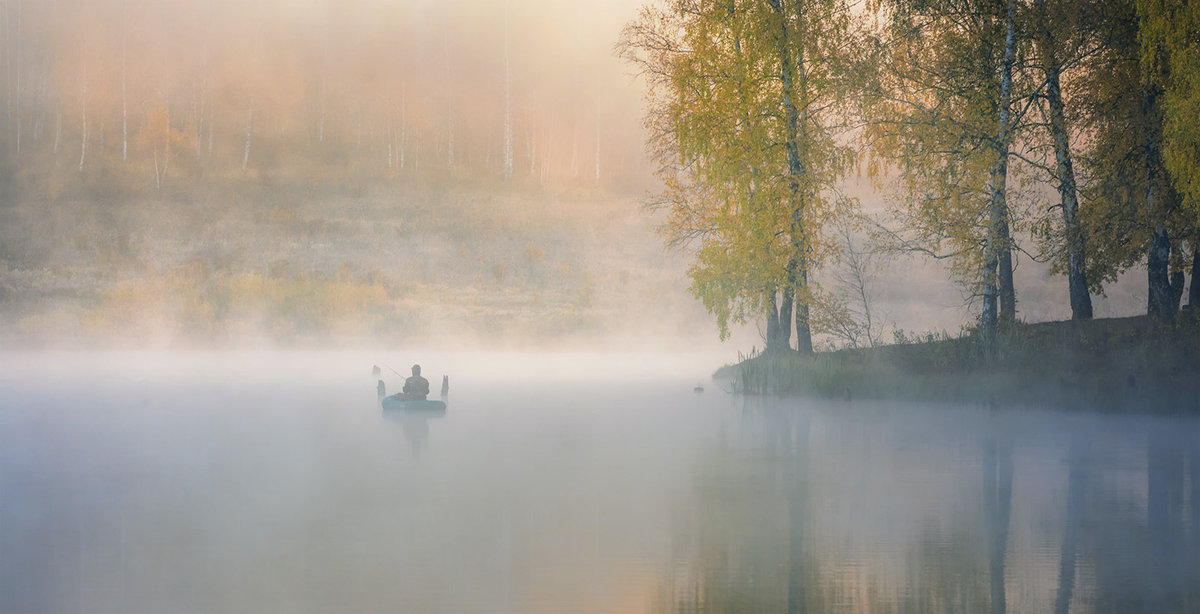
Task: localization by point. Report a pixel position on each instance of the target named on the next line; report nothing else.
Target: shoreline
(1129, 365)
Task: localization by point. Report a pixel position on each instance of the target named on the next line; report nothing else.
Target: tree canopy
(1070, 124)
(747, 109)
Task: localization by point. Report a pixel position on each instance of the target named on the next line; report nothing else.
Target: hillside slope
(249, 263)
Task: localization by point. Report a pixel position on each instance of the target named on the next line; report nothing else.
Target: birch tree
(124, 90)
(162, 140)
(1135, 212)
(83, 111)
(8, 69)
(249, 135)
(1170, 53)
(18, 51)
(943, 109)
(745, 104)
(448, 76)
(1066, 33)
(507, 169)
(597, 176)
(997, 274)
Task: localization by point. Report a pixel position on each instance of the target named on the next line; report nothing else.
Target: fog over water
(566, 483)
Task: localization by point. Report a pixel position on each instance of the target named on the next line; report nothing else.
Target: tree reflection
(1143, 561)
(747, 541)
(997, 501)
(946, 574)
(796, 482)
(742, 544)
(1105, 522)
(1077, 480)
(962, 569)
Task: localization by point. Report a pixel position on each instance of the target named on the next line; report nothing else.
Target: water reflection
(1077, 485)
(414, 421)
(742, 547)
(240, 494)
(816, 507)
(1158, 570)
(997, 504)
(415, 425)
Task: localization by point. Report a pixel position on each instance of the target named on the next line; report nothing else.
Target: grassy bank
(294, 262)
(1119, 364)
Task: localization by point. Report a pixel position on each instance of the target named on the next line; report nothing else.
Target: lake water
(567, 483)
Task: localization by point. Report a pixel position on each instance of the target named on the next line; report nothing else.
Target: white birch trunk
(996, 243)
(206, 114)
(8, 68)
(531, 143)
(249, 134)
(324, 85)
(403, 144)
(371, 139)
(18, 100)
(200, 117)
(1077, 286)
(574, 149)
(39, 117)
(39, 101)
(449, 102)
(43, 100)
(575, 134)
(84, 140)
(124, 105)
(194, 111)
(597, 147)
(487, 156)
(508, 144)
(162, 160)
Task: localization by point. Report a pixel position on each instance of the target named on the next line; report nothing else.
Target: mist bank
(1117, 364)
(167, 91)
(291, 262)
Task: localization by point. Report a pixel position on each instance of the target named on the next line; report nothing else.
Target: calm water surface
(569, 483)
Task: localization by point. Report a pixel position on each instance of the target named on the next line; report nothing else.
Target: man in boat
(416, 388)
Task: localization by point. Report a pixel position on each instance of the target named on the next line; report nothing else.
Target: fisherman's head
(416, 369)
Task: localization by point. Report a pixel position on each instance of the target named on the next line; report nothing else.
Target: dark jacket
(416, 386)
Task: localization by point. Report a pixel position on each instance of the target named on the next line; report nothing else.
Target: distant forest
(306, 172)
(162, 91)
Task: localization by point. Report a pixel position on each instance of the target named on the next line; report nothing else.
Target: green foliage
(1120, 117)
(745, 106)
(934, 110)
(1170, 55)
